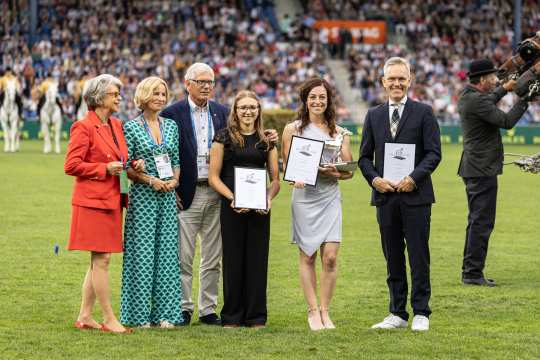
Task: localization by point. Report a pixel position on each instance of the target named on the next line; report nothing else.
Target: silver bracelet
(150, 182)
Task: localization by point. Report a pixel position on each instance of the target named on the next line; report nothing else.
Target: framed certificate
(250, 188)
(304, 159)
(398, 161)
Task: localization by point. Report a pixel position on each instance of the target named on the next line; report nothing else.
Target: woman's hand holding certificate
(303, 160)
(250, 188)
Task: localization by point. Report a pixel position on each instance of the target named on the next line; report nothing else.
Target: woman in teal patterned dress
(151, 289)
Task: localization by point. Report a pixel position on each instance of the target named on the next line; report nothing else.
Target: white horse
(51, 116)
(83, 107)
(9, 116)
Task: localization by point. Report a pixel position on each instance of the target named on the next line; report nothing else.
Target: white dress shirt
(200, 119)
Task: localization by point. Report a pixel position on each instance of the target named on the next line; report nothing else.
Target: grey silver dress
(316, 211)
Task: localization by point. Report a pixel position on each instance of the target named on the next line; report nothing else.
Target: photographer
(482, 160)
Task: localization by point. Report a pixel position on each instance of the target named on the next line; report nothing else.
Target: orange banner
(369, 32)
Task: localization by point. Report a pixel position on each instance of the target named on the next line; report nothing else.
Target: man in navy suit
(198, 119)
(403, 207)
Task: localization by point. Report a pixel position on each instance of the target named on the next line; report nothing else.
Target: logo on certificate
(305, 150)
(250, 179)
(400, 154)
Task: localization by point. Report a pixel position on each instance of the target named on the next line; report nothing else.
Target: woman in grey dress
(316, 211)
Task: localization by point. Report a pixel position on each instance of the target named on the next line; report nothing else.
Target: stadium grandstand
(266, 46)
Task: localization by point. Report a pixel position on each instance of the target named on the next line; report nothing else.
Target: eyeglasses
(202, 83)
(114, 94)
(245, 108)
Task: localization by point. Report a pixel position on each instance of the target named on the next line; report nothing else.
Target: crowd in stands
(249, 48)
(440, 39)
(133, 39)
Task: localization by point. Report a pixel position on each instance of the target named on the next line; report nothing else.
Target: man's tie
(394, 121)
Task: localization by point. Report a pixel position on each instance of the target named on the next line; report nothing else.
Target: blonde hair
(145, 90)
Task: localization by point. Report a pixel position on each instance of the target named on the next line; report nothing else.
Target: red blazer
(90, 148)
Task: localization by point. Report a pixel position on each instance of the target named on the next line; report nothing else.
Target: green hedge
(277, 119)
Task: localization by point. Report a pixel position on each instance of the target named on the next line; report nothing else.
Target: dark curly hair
(329, 113)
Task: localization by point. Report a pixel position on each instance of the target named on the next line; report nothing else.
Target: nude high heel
(314, 320)
(327, 322)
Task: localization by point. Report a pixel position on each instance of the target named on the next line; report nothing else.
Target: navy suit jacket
(187, 143)
(417, 126)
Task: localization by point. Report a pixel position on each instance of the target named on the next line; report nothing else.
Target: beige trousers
(201, 220)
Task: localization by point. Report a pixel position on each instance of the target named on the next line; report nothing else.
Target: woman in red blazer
(96, 156)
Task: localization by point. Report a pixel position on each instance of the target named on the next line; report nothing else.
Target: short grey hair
(396, 60)
(97, 88)
(196, 69)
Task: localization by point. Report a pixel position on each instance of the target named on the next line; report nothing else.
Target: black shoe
(210, 319)
(479, 281)
(186, 315)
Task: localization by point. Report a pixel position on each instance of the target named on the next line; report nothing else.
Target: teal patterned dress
(151, 288)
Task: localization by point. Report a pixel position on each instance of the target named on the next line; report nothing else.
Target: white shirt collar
(196, 107)
(401, 102)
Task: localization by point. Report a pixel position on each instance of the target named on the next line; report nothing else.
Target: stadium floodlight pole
(33, 21)
(517, 23)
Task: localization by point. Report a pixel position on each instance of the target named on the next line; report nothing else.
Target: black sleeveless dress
(245, 240)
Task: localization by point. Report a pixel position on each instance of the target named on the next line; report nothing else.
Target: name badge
(163, 166)
(124, 182)
(202, 166)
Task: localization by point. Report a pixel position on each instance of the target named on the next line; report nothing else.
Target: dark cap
(481, 67)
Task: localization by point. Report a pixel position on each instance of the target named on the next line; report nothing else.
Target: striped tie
(394, 121)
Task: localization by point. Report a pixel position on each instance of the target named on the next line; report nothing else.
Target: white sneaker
(420, 323)
(164, 324)
(391, 322)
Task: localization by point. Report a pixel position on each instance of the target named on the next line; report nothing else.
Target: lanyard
(116, 142)
(113, 134)
(209, 137)
(154, 143)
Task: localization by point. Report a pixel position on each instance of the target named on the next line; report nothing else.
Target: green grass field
(40, 292)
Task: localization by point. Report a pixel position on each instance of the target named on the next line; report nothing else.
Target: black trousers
(401, 226)
(245, 266)
(482, 201)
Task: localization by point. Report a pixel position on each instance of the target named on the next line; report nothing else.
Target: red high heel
(104, 328)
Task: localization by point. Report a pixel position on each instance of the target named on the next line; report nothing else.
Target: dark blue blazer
(187, 144)
(417, 126)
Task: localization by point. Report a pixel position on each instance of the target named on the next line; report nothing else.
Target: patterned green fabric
(151, 288)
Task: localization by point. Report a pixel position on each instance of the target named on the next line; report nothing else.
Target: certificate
(250, 188)
(398, 161)
(303, 160)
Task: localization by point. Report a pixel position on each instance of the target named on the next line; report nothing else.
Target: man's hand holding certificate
(398, 164)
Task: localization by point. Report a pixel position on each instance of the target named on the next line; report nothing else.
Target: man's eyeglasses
(245, 108)
(202, 83)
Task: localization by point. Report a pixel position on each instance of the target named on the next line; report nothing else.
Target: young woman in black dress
(245, 233)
